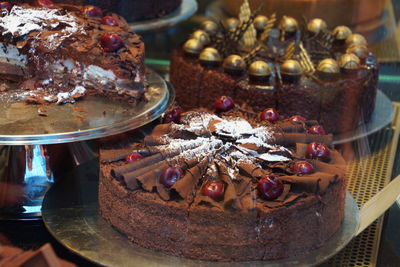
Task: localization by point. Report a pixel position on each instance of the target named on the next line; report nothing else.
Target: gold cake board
(368, 173)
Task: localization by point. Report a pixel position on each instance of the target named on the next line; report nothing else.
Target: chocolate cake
(297, 68)
(132, 10)
(227, 186)
(61, 52)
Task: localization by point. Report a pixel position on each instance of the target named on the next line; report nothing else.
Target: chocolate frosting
(236, 150)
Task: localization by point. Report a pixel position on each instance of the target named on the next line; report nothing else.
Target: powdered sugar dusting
(225, 139)
(21, 21)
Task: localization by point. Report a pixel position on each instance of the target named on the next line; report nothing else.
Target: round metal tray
(381, 117)
(72, 217)
(185, 11)
(93, 117)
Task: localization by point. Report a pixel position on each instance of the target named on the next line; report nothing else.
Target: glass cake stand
(72, 217)
(185, 11)
(33, 147)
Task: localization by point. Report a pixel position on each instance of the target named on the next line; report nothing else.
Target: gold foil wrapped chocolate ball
(341, 33)
(210, 57)
(316, 25)
(328, 65)
(356, 39)
(361, 51)
(210, 27)
(260, 22)
(260, 69)
(288, 24)
(291, 67)
(234, 65)
(192, 47)
(349, 62)
(231, 23)
(202, 36)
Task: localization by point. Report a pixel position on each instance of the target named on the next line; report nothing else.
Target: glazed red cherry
(269, 114)
(170, 176)
(296, 118)
(173, 115)
(302, 168)
(224, 103)
(133, 157)
(92, 11)
(316, 130)
(6, 5)
(214, 190)
(269, 187)
(111, 42)
(318, 151)
(44, 3)
(109, 20)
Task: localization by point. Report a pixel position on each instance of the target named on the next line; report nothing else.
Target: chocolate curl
(230, 195)
(163, 192)
(296, 126)
(161, 129)
(250, 170)
(337, 159)
(120, 170)
(185, 186)
(149, 180)
(329, 168)
(301, 150)
(288, 139)
(130, 177)
(154, 141)
(113, 155)
(316, 183)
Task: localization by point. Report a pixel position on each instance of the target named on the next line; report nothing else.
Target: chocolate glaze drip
(234, 151)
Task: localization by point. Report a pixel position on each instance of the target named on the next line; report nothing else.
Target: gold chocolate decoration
(234, 64)
(328, 65)
(288, 24)
(192, 46)
(316, 25)
(305, 60)
(202, 36)
(291, 67)
(250, 35)
(260, 22)
(349, 61)
(267, 29)
(210, 56)
(259, 69)
(231, 24)
(209, 27)
(341, 33)
(356, 39)
(360, 51)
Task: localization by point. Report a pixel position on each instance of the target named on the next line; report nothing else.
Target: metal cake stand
(33, 147)
(183, 12)
(72, 217)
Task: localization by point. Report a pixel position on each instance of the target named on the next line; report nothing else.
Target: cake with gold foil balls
(59, 53)
(302, 68)
(228, 185)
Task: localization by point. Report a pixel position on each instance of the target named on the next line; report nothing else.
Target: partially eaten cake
(59, 53)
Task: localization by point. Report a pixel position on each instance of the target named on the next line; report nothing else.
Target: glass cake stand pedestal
(36, 141)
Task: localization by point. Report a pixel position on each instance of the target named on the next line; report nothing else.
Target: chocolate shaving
(120, 170)
(289, 139)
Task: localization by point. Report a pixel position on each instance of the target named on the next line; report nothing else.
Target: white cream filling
(10, 54)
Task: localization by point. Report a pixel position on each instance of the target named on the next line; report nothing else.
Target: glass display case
(70, 217)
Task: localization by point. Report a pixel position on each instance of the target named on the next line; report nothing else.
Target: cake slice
(62, 52)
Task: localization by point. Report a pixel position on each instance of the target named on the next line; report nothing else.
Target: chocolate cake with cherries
(132, 10)
(233, 185)
(61, 52)
(297, 68)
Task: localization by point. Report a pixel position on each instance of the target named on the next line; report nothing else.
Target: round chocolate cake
(297, 68)
(61, 52)
(233, 185)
